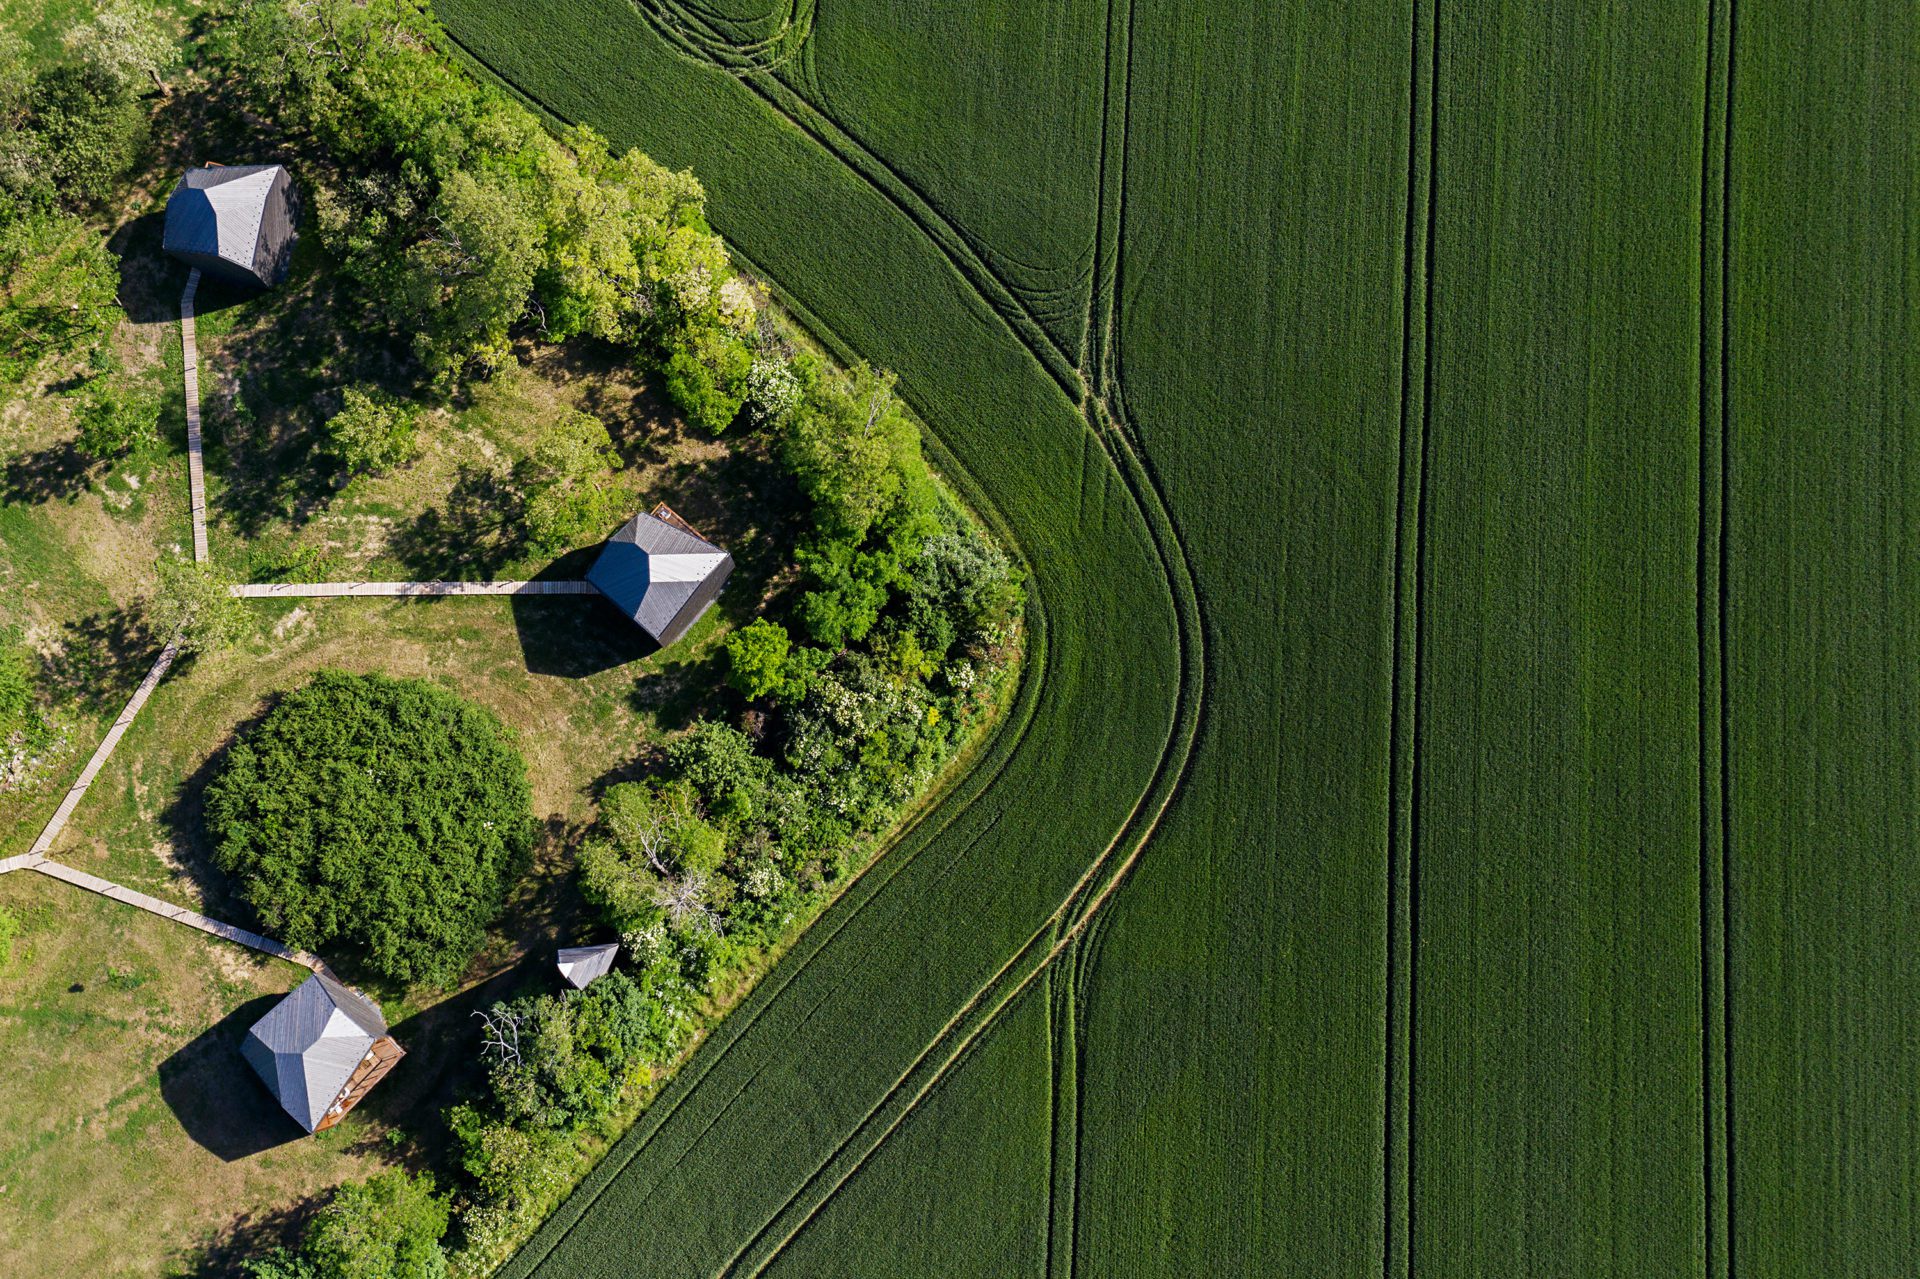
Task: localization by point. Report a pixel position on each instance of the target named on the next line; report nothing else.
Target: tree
(192, 606)
(388, 817)
(467, 282)
(565, 482)
(386, 1227)
(87, 127)
(720, 764)
(371, 432)
(757, 658)
(129, 42)
(763, 662)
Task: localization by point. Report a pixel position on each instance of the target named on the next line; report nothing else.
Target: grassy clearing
(131, 1140)
(1822, 654)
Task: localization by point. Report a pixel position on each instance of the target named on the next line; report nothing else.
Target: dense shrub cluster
(387, 1226)
(27, 730)
(385, 816)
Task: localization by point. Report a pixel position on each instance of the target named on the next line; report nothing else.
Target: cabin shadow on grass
(216, 1096)
(575, 636)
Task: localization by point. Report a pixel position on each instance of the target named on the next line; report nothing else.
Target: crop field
(1460, 816)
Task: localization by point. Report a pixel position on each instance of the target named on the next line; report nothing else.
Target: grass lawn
(132, 1138)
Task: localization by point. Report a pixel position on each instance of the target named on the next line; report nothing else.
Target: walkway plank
(180, 915)
(78, 791)
(196, 474)
(290, 590)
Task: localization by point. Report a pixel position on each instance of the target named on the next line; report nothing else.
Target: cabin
(580, 965)
(661, 573)
(320, 1050)
(234, 222)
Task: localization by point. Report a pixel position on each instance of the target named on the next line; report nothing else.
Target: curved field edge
(1073, 515)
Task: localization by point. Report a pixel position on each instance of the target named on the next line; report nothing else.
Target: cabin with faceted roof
(320, 1050)
(661, 573)
(234, 222)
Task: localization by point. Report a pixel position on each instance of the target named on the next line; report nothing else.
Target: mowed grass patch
(572, 678)
(133, 1137)
(1821, 485)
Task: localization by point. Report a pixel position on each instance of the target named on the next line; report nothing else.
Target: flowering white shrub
(772, 391)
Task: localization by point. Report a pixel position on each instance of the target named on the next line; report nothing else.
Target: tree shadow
(60, 471)
(475, 533)
(150, 282)
(248, 1237)
(101, 658)
(184, 820)
(218, 1099)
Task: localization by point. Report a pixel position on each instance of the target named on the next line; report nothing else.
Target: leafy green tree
(193, 605)
(466, 283)
(87, 126)
(371, 432)
(129, 42)
(385, 816)
(720, 764)
(386, 1227)
(706, 376)
(569, 498)
(762, 662)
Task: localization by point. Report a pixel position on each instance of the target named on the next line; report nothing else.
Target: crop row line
(1716, 1028)
(1405, 728)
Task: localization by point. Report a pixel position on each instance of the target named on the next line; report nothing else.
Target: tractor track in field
(977, 261)
(1410, 576)
(1715, 780)
(1109, 426)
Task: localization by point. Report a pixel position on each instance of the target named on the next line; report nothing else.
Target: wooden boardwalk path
(328, 590)
(180, 915)
(196, 473)
(78, 790)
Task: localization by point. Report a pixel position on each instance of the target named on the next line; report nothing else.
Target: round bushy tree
(386, 816)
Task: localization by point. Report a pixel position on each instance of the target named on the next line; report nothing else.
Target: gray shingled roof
(581, 964)
(661, 576)
(231, 220)
(307, 1046)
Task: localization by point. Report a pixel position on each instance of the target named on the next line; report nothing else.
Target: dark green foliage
(384, 816)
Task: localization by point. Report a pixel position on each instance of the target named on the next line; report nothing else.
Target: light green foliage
(854, 451)
(58, 291)
(129, 41)
(386, 1227)
(762, 662)
(371, 432)
(465, 283)
(387, 817)
(565, 483)
(191, 604)
(116, 418)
